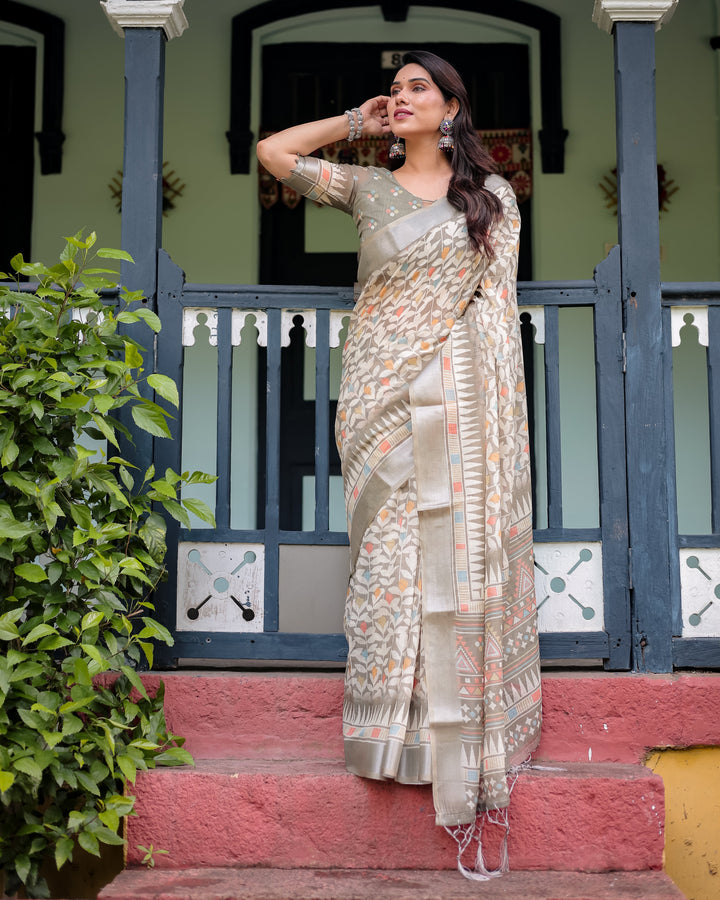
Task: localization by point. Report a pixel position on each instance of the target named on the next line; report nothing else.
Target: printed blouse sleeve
(331, 184)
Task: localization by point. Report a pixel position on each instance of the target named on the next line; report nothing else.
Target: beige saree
(442, 680)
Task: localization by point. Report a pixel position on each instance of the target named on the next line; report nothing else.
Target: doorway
(17, 121)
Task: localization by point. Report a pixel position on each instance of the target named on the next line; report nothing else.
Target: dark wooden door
(17, 121)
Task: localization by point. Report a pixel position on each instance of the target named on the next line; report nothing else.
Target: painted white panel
(312, 589)
(220, 587)
(568, 585)
(700, 592)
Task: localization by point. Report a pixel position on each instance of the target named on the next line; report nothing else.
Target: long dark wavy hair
(471, 162)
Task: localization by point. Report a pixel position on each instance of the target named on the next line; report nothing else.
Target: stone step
(323, 884)
(594, 717)
(313, 814)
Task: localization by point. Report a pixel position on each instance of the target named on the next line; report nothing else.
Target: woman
(442, 681)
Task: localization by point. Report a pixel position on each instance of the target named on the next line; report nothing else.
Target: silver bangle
(351, 123)
(358, 113)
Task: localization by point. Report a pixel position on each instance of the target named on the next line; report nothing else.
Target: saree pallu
(442, 681)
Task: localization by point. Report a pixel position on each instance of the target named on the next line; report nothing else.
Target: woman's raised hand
(279, 152)
(375, 116)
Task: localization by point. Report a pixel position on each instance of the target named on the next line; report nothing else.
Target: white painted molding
(537, 317)
(165, 14)
(238, 323)
(287, 324)
(607, 12)
(698, 316)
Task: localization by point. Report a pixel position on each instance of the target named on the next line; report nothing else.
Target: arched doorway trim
(552, 135)
(52, 28)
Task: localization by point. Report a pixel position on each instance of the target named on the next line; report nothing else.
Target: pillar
(633, 24)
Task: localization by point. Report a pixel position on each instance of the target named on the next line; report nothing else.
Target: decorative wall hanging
(666, 188)
(172, 188)
(510, 148)
(512, 151)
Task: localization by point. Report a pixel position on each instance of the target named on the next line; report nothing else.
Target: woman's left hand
(375, 116)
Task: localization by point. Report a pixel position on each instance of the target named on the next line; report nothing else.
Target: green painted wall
(213, 231)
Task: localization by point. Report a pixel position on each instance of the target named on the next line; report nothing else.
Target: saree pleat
(442, 683)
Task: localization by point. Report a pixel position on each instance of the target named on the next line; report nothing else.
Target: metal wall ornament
(172, 188)
(666, 189)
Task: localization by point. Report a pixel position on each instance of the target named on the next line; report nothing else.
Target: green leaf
(8, 632)
(200, 509)
(106, 429)
(9, 454)
(31, 572)
(151, 318)
(87, 782)
(152, 419)
(54, 571)
(22, 866)
(81, 515)
(104, 403)
(149, 652)
(63, 851)
(53, 643)
(133, 357)
(94, 654)
(174, 756)
(126, 316)
(162, 487)
(134, 679)
(52, 738)
(27, 670)
(7, 780)
(82, 676)
(110, 818)
(110, 253)
(109, 836)
(89, 843)
(28, 766)
(39, 631)
(88, 569)
(154, 629)
(127, 767)
(71, 724)
(91, 619)
(200, 478)
(166, 387)
(152, 534)
(177, 512)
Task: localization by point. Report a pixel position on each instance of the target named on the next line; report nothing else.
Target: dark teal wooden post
(146, 29)
(142, 166)
(649, 503)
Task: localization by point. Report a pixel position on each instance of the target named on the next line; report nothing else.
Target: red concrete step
(323, 884)
(313, 814)
(595, 717)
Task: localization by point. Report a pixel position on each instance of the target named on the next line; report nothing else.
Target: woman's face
(416, 105)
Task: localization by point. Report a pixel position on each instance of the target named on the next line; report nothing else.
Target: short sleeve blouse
(370, 194)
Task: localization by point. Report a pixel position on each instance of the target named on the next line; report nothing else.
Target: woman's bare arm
(279, 152)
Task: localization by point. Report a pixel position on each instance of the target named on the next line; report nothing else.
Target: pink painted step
(304, 884)
(313, 814)
(595, 717)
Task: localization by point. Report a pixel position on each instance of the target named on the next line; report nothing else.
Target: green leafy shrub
(81, 549)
